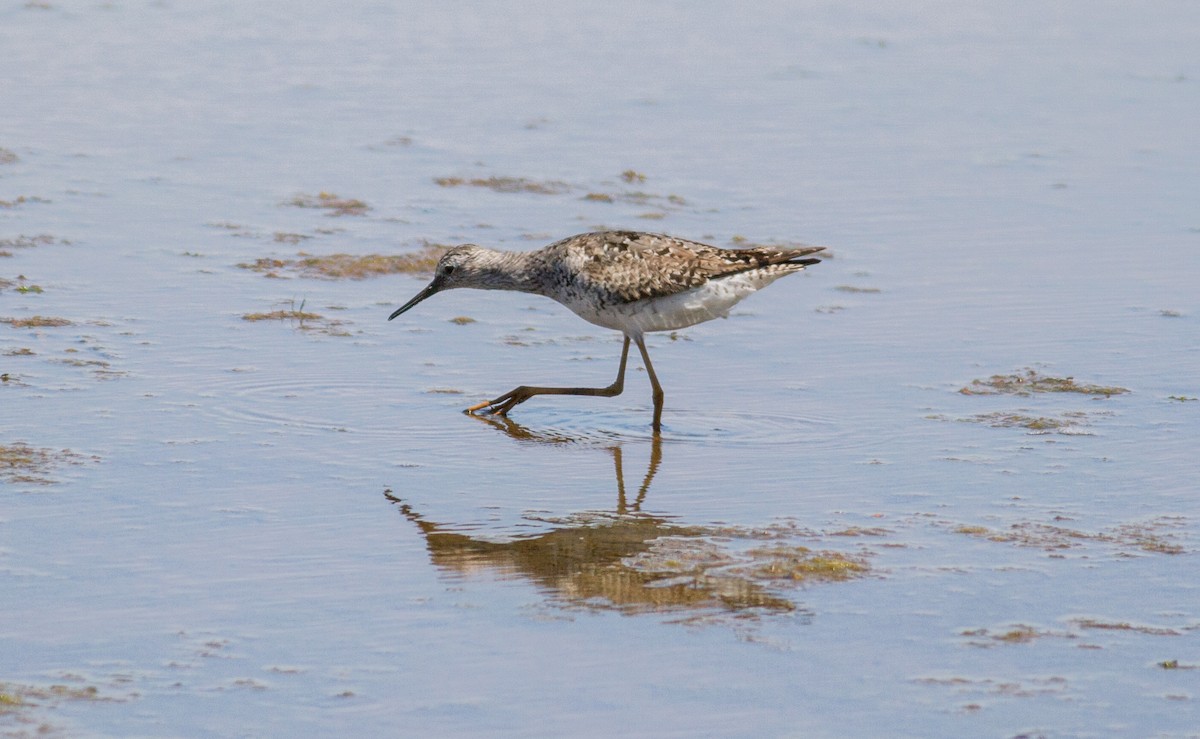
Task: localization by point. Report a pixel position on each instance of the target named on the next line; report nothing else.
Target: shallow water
(288, 528)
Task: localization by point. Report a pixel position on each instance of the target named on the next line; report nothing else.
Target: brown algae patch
(235, 229)
(799, 564)
(1016, 634)
(350, 266)
(861, 531)
(27, 242)
(1093, 623)
(100, 369)
(1077, 628)
(36, 322)
(300, 319)
(21, 200)
(507, 184)
(1031, 381)
(1029, 688)
(21, 285)
(293, 314)
(21, 463)
(334, 204)
(1144, 536)
(23, 706)
(664, 203)
(15, 696)
(1070, 421)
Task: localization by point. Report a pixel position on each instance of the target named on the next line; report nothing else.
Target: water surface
(286, 527)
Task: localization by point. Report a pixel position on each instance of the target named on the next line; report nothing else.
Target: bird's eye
(448, 270)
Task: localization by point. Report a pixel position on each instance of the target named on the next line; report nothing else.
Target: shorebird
(628, 281)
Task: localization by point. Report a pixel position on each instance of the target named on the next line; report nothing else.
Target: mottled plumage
(628, 281)
(624, 266)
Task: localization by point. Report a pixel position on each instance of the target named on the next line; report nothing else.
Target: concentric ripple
(614, 425)
(312, 403)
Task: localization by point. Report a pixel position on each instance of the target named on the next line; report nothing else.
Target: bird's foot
(503, 404)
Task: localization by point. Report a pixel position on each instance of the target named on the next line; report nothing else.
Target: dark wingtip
(804, 253)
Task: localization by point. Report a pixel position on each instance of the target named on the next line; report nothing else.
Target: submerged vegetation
(619, 194)
(23, 706)
(26, 242)
(300, 319)
(21, 463)
(1071, 423)
(1077, 628)
(1016, 634)
(1025, 384)
(1070, 420)
(1147, 536)
(22, 285)
(334, 204)
(800, 564)
(21, 200)
(350, 266)
(506, 184)
(36, 322)
(1030, 381)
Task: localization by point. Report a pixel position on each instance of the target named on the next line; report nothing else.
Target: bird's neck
(508, 270)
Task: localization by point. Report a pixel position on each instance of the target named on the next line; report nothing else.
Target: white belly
(704, 303)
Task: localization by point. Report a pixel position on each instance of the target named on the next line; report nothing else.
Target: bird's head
(458, 267)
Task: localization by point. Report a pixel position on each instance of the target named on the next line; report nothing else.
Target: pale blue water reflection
(272, 531)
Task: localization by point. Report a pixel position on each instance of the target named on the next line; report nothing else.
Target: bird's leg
(657, 389)
(506, 402)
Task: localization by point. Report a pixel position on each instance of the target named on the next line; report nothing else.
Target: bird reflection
(623, 560)
(521, 433)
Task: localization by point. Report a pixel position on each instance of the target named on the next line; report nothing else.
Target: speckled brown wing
(629, 266)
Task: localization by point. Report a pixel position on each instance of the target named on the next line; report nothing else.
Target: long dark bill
(430, 289)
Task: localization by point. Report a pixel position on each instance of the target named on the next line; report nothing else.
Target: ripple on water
(372, 408)
(679, 425)
(310, 403)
